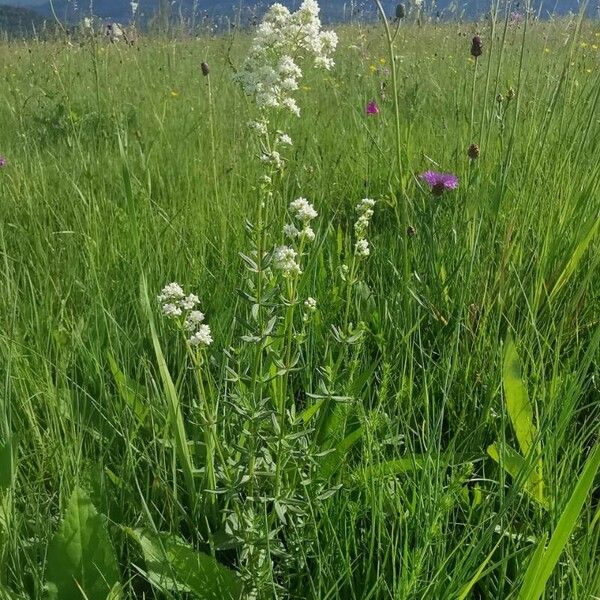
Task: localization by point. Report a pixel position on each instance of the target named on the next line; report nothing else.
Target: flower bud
(473, 151)
(400, 12)
(511, 94)
(476, 47)
(205, 69)
(411, 231)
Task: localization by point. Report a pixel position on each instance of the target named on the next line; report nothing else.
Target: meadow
(404, 407)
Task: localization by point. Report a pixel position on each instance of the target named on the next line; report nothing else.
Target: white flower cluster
(270, 72)
(365, 212)
(284, 259)
(305, 212)
(175, 304)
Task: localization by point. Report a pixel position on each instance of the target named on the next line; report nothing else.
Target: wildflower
(362, 248)
(270, 73)
(307, 234)
(372, 108)
(310, 304)
(284, 138)
(202, 337)
(440, 182)
(171, 310)
(400, 12)
(189, 302)
(273, 158)
(204, 68)
(476, 47)
(174, 93)
(259, 126)
(473, 151)
(171, 292)
(303, 210)
(134, 7)
(290, 231)
(3, 161)
(284, 259)
(511, 94)
(411, 231)
(193, 319)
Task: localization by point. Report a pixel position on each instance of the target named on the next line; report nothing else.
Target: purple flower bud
(476, 47)
(205, 69)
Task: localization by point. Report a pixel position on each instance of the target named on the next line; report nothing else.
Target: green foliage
(81, 562)
(173, 565)
(416, 435)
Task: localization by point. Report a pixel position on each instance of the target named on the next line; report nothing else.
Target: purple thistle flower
(3, 161)
(440, 182)
(372, 108)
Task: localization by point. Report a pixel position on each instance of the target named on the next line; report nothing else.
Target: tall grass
(111, 181)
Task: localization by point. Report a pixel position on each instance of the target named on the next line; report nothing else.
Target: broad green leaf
(541, 566)
(174, 406)
(518, 468)
(7, 463)
(175, 566)
(518, 405)
(81, 561)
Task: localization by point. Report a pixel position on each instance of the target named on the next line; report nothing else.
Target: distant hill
(19, 21)
(194, 11)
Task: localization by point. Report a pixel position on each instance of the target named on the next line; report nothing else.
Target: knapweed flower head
(473, 152)
(440, 182)
(3, 161)
(284, 260)
(271, 72)
(476, 47)
(372, 108)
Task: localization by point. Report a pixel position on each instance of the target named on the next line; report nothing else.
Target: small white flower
(303, 210)
(310, 304)
(171, 292)
(364, 205)
(171, 310)
(290, 231)
(265, 180)
(190, 302)
(202, 337)
(284, 259)
(259, 126)
(362, 248)
(273, 158)
(193, 319)
(284, 138)
(307, 233)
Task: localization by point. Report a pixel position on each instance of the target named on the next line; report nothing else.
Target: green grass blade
(174, 406)
(540, 569)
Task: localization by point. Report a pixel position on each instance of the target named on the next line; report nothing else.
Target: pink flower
(3, 161)
(440, 182)
(372, 108)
